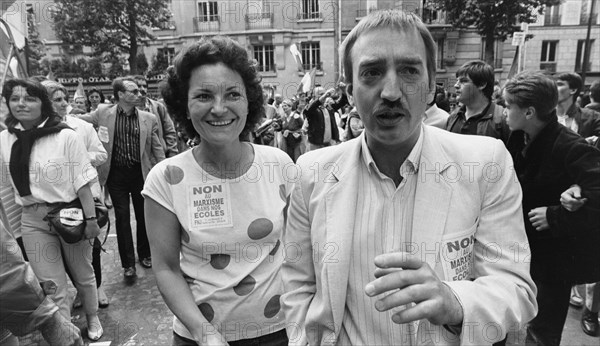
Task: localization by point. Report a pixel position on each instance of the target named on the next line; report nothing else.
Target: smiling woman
(214, 91)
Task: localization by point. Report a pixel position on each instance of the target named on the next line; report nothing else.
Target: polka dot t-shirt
(231, 232)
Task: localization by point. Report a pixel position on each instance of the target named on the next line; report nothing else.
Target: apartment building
(268, 28)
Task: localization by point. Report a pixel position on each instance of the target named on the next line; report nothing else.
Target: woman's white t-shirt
(231, 230)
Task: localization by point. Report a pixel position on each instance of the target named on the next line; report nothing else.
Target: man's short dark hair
(574, 81)
(481, 73)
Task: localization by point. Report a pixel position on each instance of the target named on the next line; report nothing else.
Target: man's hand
(571, 199)
(58, 331)
(413, 281)
(538, 219)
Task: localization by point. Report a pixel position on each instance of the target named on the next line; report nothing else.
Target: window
(549, 51)
(439, 63)
(586, 6)
(168, 54)
(498, 52)
(264, 55)
(310, 9)
(548, 58)
(552, 15)
(311, 55)
(431, 15)
(579, 55)
(207, 11)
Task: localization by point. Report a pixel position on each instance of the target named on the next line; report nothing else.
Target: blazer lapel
(340, 207)
(111, 125)
(144, 125)
(432, 200)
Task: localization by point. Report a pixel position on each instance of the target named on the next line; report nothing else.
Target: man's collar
(120, 110)
(409, 166)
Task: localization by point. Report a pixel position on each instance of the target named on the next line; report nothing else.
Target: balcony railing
(207, 23)
(585, 17)
(548, 66)
(259, 21)
(310, 15)
(434, 16)
(309, 66)
(266, 68)
(552, 20)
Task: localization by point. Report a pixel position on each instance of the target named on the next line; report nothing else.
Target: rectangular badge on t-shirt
(210, 205)
(103, 134)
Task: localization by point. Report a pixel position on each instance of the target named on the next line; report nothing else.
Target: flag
(297, 56)
(308, 81)
(515, 64)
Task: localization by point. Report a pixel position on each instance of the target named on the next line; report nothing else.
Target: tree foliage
(493, 19)
(35, 47)
(159, 64)
(109, 27)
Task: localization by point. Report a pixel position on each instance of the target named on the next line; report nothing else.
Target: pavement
(137, 314)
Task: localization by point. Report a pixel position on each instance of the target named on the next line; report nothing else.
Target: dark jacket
(316, 120)
(487, 124)
(556, 159)
(588, 120)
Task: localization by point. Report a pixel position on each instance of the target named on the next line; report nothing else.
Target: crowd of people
(375, 212)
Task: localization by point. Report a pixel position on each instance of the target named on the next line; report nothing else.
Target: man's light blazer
(467, 208)
(151, 149)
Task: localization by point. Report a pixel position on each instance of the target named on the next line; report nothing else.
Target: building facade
(268, 28)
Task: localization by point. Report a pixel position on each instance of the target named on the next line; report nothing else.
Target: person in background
(130, 137)
(97, 154)
(435, 116)
(354, 126)
(594, 97)
(291, 129)
(322, 127)
(572, 200)
(166, 130)
(389, 274)
(478, 115)
(95, 98)
(25, 306)
(214, 89)
(548, 159)
(583, 121)
(37, 139)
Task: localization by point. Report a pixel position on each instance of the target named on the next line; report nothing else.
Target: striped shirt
(126, 146)
(384, 225)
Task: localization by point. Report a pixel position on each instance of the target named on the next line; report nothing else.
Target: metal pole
(586, 52)
(519, 58)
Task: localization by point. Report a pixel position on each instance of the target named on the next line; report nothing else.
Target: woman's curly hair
(208, 51)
